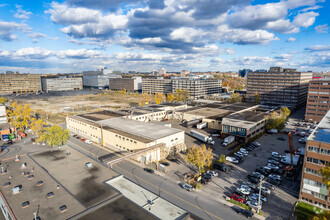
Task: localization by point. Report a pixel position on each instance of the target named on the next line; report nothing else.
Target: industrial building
(61, 82)
(317, 155)
(197, 88)
(98, 79)
(279, 87)
(243, 125)
(133, 84)
(318, 101)
(19, 83)
(114, 130)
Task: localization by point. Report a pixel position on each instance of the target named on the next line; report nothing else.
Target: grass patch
(244, 206)
(305, 211)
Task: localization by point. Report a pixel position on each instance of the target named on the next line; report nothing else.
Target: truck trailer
(202, 137)
(228, 140)
(201, 125)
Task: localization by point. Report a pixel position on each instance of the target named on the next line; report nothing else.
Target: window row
(318, 150)
(127, 139)
(314, 183)
(315, 161)
(312, 171)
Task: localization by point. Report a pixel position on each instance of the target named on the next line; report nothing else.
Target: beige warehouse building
(114, 131)
(19, 83)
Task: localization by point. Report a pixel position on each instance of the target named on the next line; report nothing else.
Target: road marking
(169, 193)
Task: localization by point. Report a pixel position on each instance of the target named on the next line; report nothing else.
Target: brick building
(317, 155)
(318, 101)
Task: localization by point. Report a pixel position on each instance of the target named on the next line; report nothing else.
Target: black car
(262, 171)
(220, 166)
(273, 181)
(249, 148)
(148, 170)
(173, 160)
(204, 180)
(246, 213)
(207, 176)
(253, 180)
(281, 138)
(165, 163)
(239, 193)
(268, 186)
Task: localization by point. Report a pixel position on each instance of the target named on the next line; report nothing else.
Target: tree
(145, 99)
(222, 158)
(200, 157)
(3, 100)
(323, 216)
(257, 99)
(159, 98)
(235, 97)
(19, 115)
(55, 136)
(285, 112)
(37, 126)
(325, 173)
(170, 97)
(181, 95)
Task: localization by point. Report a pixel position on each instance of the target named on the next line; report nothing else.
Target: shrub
(222, 158)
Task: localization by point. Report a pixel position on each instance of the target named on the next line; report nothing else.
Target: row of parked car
(82, 139)
(243, 152)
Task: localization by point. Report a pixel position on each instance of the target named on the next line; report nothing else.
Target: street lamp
(260, 184)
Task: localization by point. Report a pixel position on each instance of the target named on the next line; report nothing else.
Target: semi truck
(228, 140)
(202, 137)
(201, 125)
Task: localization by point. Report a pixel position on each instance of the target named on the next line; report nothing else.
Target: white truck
(228, 140)
(201, 125)
(273, 131)
(202, 137)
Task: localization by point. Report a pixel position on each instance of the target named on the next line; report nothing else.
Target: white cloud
(291, 39)
(7, 30)
(322, 29)
(36, 36)
(78, 54)
(33, 53)
(316, 48)
(305, 19)
(62, 14)
(22, 14)
(187, 34)
(282, 26)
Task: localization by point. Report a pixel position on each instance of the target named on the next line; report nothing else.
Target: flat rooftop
(160, 208)
(251, 116)
(322, 131)
(148, 131)
(101, 115)
(48, 208)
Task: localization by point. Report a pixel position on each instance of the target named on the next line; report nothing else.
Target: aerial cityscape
(165, 109)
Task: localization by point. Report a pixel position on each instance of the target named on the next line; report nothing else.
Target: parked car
(253, 204)
(246, 213)
(148, 170)
(238, 154)
(88, 142)
(272, 166)
(257, 144)
(173, 160)
(262, 198)
(268, 186)
(275, 176)
(220, 166)
(254, 199)
(212, 173)
(204, 180)
(253, 180)
(250, 185)
(258, 175)
(249, 148)
(276, 155)
(237, 198)
(239, 193)
(265, 190)
(83, 139)
(185, 186)
(165, 164)
(207, 176)
(273, 181)
(231, 159)
(262, 171)
(281, 138)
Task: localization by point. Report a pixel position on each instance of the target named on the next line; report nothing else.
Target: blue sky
(142, 35)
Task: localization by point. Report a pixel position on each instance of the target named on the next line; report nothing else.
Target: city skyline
(73, 36)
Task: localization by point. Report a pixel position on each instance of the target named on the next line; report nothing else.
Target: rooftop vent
(25, 204)
(50, 194)
(6, 184)
(40, 183)
(16, 190)
(63, 208)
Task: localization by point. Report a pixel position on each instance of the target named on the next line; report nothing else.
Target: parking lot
(280, 202)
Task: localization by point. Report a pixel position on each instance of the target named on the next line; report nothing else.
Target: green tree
(200, 157)
(285, 112)
(235, 97)
(325, 172)
(55, 136)
(3, 100)
(257, 99)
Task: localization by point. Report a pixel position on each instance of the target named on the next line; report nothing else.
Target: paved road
(194, 202)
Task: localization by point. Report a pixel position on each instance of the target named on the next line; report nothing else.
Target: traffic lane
(193, 202)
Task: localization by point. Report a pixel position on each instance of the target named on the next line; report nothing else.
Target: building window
(325, 151)
(314, 183)
(313, 149)
(315, 161)
(312, 171)
(225, 128)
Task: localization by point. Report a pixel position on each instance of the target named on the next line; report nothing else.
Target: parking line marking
(170, 193)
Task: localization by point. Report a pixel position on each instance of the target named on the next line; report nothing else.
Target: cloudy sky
(142, 35)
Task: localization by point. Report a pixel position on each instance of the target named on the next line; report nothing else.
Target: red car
(82, 139)
(237, 198)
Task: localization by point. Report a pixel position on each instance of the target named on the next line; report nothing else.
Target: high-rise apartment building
(63, 82)
(19, 83)
(196, 87)
(278, 86)
(244, 72)
(162, 71)
(318, 100)
(317, 155)
(130, 84)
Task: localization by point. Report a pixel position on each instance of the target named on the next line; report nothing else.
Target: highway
(194, 202)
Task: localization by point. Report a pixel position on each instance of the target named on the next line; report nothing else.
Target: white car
(244, 191)
(262, 198)
(88, 142)
(265, 190)
(274, 176)
(257, 143)
(253, 204)
(275, 154)
(245, 187)
(255, 199)
(212, 173)
(272, 166)
(231, 159)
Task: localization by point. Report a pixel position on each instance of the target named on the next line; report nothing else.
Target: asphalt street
(194, 202)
